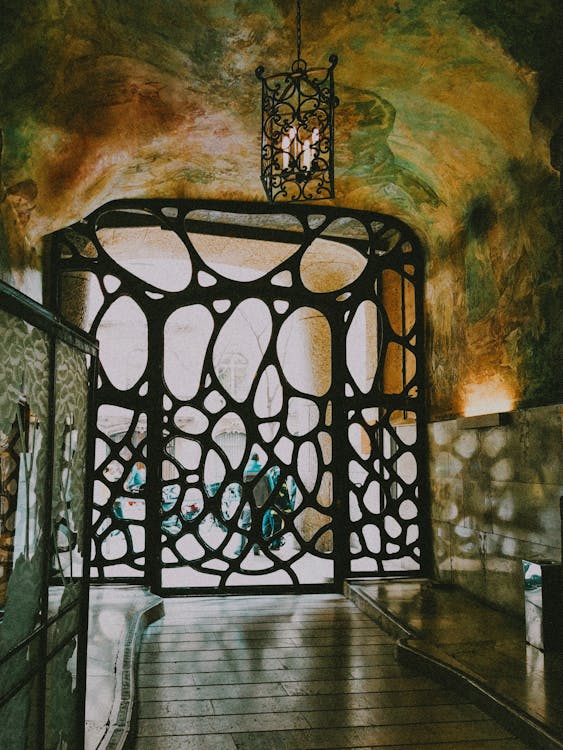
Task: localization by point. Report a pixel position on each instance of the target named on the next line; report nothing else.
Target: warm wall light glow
(488, 397)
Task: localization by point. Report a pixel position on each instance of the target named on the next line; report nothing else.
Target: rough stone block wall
(495, 501)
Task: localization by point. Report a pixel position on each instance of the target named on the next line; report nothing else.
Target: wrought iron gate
(260, 392)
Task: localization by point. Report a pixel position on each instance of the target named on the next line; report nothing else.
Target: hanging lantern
(298, 130)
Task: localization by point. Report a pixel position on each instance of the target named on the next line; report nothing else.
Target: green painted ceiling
(104, 99)
(447, 115)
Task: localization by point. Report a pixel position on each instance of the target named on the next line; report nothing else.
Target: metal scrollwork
(298, 132)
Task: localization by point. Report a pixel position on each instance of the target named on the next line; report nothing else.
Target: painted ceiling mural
(448, 118)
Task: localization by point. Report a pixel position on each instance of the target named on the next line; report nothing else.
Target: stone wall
(495, 501)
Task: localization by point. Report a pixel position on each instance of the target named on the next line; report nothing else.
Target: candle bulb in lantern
(294, 142)
(306, 155)
(315, 137)
(288, 147)
(285, 151)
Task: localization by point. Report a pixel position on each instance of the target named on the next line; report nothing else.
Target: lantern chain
(299, 29)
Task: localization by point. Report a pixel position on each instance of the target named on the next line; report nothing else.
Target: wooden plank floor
(292, 673)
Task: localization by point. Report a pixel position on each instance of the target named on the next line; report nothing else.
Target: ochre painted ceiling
(105, 99)
(447, 114)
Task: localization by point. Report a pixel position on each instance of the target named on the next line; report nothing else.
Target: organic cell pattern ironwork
(260, 393)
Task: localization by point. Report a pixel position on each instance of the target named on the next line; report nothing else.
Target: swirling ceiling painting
(449, 119)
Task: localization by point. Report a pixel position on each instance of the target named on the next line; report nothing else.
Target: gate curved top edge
(158, 208)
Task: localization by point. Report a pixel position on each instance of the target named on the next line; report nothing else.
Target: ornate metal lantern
(298, 130)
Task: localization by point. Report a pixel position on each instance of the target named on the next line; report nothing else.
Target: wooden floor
(291, 673)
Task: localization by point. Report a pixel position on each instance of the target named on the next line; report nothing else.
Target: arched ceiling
(440, 100)
(450, 119)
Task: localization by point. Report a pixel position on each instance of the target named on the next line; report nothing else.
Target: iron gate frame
(68, 257)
